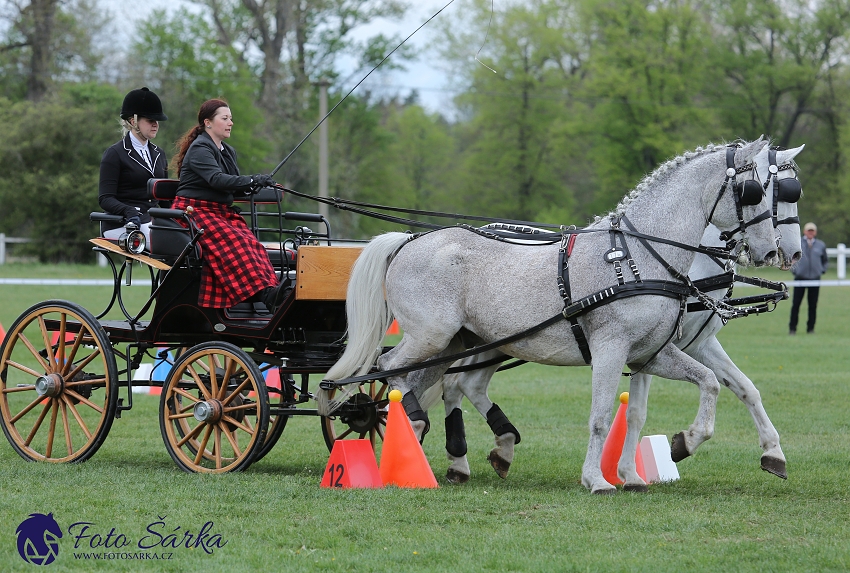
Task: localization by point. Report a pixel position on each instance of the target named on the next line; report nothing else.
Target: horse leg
(635, 418)
(714, 356)
(414, 384)
(606, 374)
(673, 364)
(458, 471)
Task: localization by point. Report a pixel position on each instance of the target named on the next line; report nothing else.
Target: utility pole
(323, 145)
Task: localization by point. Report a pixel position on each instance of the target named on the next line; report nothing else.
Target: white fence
(4, 240)
(840, 253)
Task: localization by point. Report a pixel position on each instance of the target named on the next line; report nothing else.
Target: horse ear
(750, 150)
(788, 154)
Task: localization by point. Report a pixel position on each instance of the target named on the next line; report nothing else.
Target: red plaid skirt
(236, 264)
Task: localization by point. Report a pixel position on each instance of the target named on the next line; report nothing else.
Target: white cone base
(657, 461)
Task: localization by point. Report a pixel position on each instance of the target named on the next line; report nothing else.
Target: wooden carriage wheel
(214, 410)
(58, 383)
(366, 422)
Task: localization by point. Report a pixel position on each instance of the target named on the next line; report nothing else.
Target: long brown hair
(207, 111)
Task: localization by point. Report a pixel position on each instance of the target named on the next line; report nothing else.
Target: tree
(514, 137)
(51, 174)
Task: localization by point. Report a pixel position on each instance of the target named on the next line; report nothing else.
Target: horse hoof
(678, 450)
(501, 465)
(774, 466)
(604, 491)
(455, 477)
(636, 487)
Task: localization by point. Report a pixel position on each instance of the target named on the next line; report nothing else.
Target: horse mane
(662, 171)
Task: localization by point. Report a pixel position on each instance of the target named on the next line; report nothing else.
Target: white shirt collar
(137, 145)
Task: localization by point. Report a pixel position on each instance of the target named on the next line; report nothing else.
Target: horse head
(782, 189)
(740, 208)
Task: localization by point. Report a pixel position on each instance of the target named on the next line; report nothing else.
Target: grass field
(725, 514)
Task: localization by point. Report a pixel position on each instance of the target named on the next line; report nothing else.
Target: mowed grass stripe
(724, 514)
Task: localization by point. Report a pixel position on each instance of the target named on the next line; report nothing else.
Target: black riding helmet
(143, 103)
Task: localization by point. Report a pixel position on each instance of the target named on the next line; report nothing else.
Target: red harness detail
(571, 244)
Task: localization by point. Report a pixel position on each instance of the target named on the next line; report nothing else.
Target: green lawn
(725, 514)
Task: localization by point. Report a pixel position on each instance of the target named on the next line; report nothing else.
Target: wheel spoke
(27, 388)
(180, 416)
(90, 381)
(69, 361)
(38, 422)
(213, 379)
(379, 396)
(236, 450)
(60, 355)
(67, 427)
(233, 421)
(48, 347)
(248, 406)
(186, 395)
(236, 392)
(200, 455)
(217, 448)
(83, 364)
(77, 416)
(191, 435)
(22, 368)
(344, 434)
(26, 410)
(34, 352)
(229, 367)
(52, 431)
(85, 401)
(201, 386)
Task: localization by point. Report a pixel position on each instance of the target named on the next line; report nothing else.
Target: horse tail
(432, 395)
(366, 308)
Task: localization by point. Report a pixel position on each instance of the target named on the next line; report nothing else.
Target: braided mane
(663, 170)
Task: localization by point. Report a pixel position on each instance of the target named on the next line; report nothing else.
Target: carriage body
(66, 374)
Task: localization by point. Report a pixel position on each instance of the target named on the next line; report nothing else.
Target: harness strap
(333, 384)
(567, 243)
(668, 289)
(670, 269)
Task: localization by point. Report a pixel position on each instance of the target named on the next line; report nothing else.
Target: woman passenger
(127, 165)
(237, 267)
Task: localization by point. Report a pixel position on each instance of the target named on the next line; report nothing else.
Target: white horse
(453, 288)
(698, 339)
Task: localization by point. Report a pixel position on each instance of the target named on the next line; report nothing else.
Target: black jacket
(206, 174)
(124, 179)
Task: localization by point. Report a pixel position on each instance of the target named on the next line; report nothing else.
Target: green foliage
(179, 57)
(51, 153)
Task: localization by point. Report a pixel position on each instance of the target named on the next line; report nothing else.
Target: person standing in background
(810, 267)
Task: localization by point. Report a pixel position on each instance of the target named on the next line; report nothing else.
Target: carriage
(66, 374)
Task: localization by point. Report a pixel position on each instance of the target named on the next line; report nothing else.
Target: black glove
(135, 220)
(260, 181)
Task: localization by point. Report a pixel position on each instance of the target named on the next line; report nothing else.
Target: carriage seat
(163, 190)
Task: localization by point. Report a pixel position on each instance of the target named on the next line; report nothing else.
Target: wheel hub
(50, 385)
(363, 414)
(209, 411)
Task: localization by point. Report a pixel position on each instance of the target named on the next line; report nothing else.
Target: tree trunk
(40, 40)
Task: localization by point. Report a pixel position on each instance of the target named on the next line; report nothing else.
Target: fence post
(841, 261)
(2, 248)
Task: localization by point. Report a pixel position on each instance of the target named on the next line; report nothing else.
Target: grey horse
(453, 288)
(698, 339)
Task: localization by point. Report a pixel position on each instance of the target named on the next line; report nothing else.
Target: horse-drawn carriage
(66, 374)
(60, 383)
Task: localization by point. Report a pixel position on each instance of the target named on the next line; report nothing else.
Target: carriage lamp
(133, 241)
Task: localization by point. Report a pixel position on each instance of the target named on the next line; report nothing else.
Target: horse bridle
(786, 189)
(747, 192)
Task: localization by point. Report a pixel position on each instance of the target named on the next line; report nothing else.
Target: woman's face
(148, 128)
(219, 126)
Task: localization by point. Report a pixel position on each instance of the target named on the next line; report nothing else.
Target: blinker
(790, 190)
(749, 192)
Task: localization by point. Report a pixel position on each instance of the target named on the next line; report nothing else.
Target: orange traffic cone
(403, 462)
(352, 464)
(613, 448)
(394, 329)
